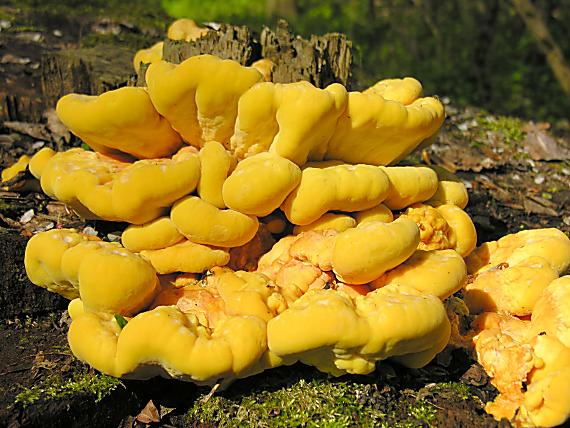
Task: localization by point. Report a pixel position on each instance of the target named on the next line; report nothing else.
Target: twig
(211, 393)
(15, 371)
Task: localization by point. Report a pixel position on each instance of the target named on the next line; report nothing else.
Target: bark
(321, 60)
(537, 26)
(18, 295)
(87, 71)
(229, 42)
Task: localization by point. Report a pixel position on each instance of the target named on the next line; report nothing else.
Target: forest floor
(517, 173)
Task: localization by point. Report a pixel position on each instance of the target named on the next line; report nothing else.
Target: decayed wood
(20, 107)
(87, 71)
(229, 42)
(17, 295)
(321, 60)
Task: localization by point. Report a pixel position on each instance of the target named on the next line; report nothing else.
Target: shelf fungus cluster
(268, 226)
(520, 333)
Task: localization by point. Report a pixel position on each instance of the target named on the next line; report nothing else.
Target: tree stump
(321, 60)
(88, 71)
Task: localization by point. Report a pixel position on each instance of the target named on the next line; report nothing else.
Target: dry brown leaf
(149, 414)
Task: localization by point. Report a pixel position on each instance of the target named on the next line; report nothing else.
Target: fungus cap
(148, 56)
(337, 187)
(204, 223)
(259, 184)
(122, 120)
(186, 256)
(409, 185)
(19, 166)
(197, 98)
(216, 164)
(405, 90)
(514, 289)
(377, 131)
(437, 272)
(155, 235)
(364, 253)
(293, 120)
(338, 222)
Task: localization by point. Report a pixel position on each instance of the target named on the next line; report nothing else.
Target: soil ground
(517, 173)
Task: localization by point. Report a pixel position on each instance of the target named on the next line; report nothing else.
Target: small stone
(57, 33)
(89, 231)
(539, 179)
(44, 226)
(113, 237)
(27, 217)
(38, 145)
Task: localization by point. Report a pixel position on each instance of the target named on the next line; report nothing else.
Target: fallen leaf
(541, 146)
(536, 208)
(149, 414)
(34, 130)
(56, 127)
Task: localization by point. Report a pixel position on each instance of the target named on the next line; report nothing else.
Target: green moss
(510, 127)
(423, 410)
(94, 385)
(317, 402)
(456, 390)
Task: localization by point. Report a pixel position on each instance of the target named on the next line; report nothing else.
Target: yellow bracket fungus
(377, 131)
(437, 272)
(260, 184)
(339, 335)
(185, 29)
(530, 371)
(338, 222)
(293, 120)
(148, 56)
(409, 185)
(337, 187)
(552, 310)
(379, 213)
(15, 169)
(186, 256)
(197, 97)
(214, 331)
(444, 227)
(155, 235)
(450, 190)
(204, 223)
(121, 120)
(405, 90)
(216, 164)
(265, 66)
(108, 278)
(514, 289)
(550, 244)
(362, 254)
(100, 187)
(39, 160)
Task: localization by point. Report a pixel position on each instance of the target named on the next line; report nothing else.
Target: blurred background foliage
(479, 52)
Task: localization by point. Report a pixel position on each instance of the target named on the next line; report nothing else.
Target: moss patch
(94, 385)
(319, 402)
(511, 128)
